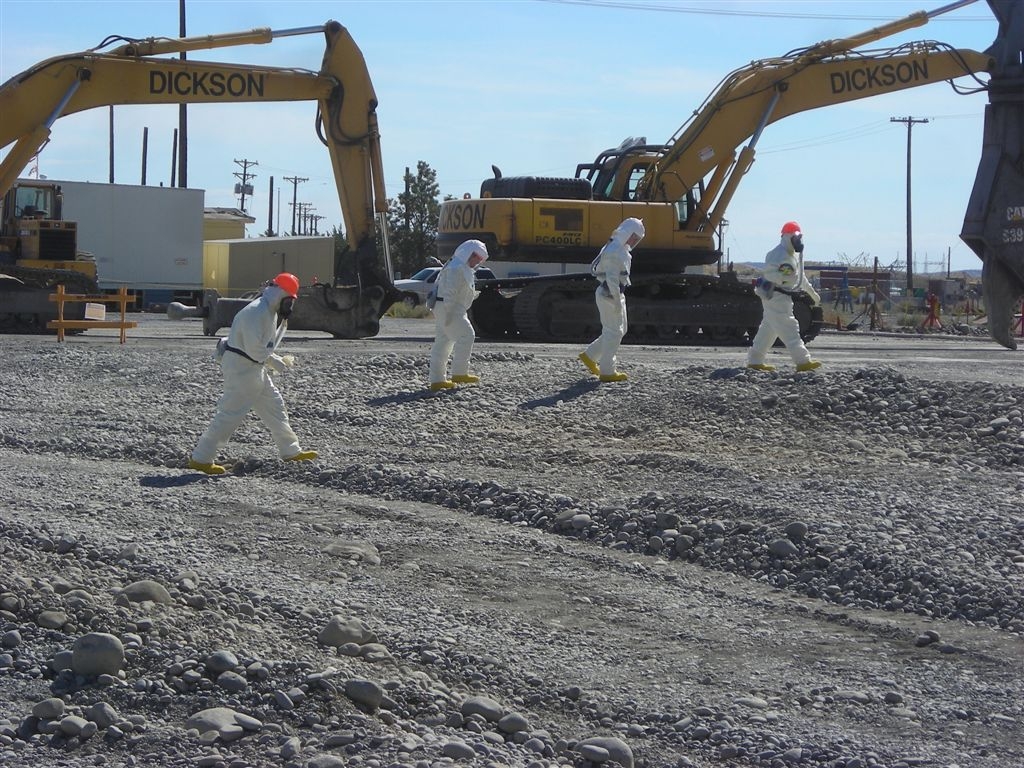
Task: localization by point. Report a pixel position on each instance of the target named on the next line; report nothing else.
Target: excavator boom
(767, 91)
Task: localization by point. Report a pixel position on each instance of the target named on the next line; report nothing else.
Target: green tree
(412, 220)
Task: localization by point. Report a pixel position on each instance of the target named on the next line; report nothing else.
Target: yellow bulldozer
(38, 251)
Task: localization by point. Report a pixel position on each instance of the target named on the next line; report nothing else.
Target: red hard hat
(289, 282)
(791, 228)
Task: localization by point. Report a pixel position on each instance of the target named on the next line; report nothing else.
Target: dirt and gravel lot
(704, 566)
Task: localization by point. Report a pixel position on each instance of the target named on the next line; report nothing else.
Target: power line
(856, 132)
(847, 134)
(705, 11)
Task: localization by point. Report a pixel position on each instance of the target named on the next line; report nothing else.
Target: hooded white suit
(456, 291)
(611, 268)
(782, 268)
(251, 346)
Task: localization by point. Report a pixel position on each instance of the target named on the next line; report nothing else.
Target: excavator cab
(616, 173)
(622, 174)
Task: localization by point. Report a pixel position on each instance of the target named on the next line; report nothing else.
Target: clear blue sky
(537, 86)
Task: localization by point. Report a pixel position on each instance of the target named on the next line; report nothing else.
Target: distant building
(225, 223)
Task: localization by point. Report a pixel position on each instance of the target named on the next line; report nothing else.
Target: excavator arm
(754, 96)
(703, 151)
(134, 73)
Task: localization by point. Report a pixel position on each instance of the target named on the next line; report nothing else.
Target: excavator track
(25, 305)
(684, 310)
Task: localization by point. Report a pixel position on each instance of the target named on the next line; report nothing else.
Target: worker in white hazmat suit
(783, 277)
(247, 356)
(611, 268)
(454, 292)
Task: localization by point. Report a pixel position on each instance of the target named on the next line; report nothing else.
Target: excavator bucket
(345, 312)
(994, 222)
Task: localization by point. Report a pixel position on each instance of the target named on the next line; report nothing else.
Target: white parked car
(415, 289)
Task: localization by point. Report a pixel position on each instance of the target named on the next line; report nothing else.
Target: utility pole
(174, 159)
(910, 243)
(145, 152)
(245, 187)
(182, 112)
(408, 213)
(270, 210)
(305, 216)
(110, 131)
(295, 180)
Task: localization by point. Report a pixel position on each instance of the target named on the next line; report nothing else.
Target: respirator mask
(285, 310)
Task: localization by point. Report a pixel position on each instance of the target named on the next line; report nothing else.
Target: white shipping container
(142, 237)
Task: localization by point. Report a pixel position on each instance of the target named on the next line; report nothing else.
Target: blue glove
(763, 288)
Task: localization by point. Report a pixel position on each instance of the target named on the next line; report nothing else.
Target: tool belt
(229, 348)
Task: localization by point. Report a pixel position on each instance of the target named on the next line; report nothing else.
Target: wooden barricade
(60, 324)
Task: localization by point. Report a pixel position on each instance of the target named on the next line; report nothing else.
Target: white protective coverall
(783, 268)
(611, 268)
(247, 383)
(456, 290)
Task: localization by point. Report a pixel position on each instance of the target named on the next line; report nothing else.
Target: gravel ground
(703, 566)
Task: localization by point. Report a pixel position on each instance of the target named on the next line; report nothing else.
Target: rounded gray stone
(487, 708)
(147, 590)
(617, 749)
(783, 548)
(458, 750)
(221, 661)
(48, 709)
(232, 681)
(103, 714)
(97, 653)
(341, 630)
(212, 719)
(365, 692)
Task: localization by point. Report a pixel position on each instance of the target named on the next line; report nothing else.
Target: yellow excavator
(542, 228)
(148, 71)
